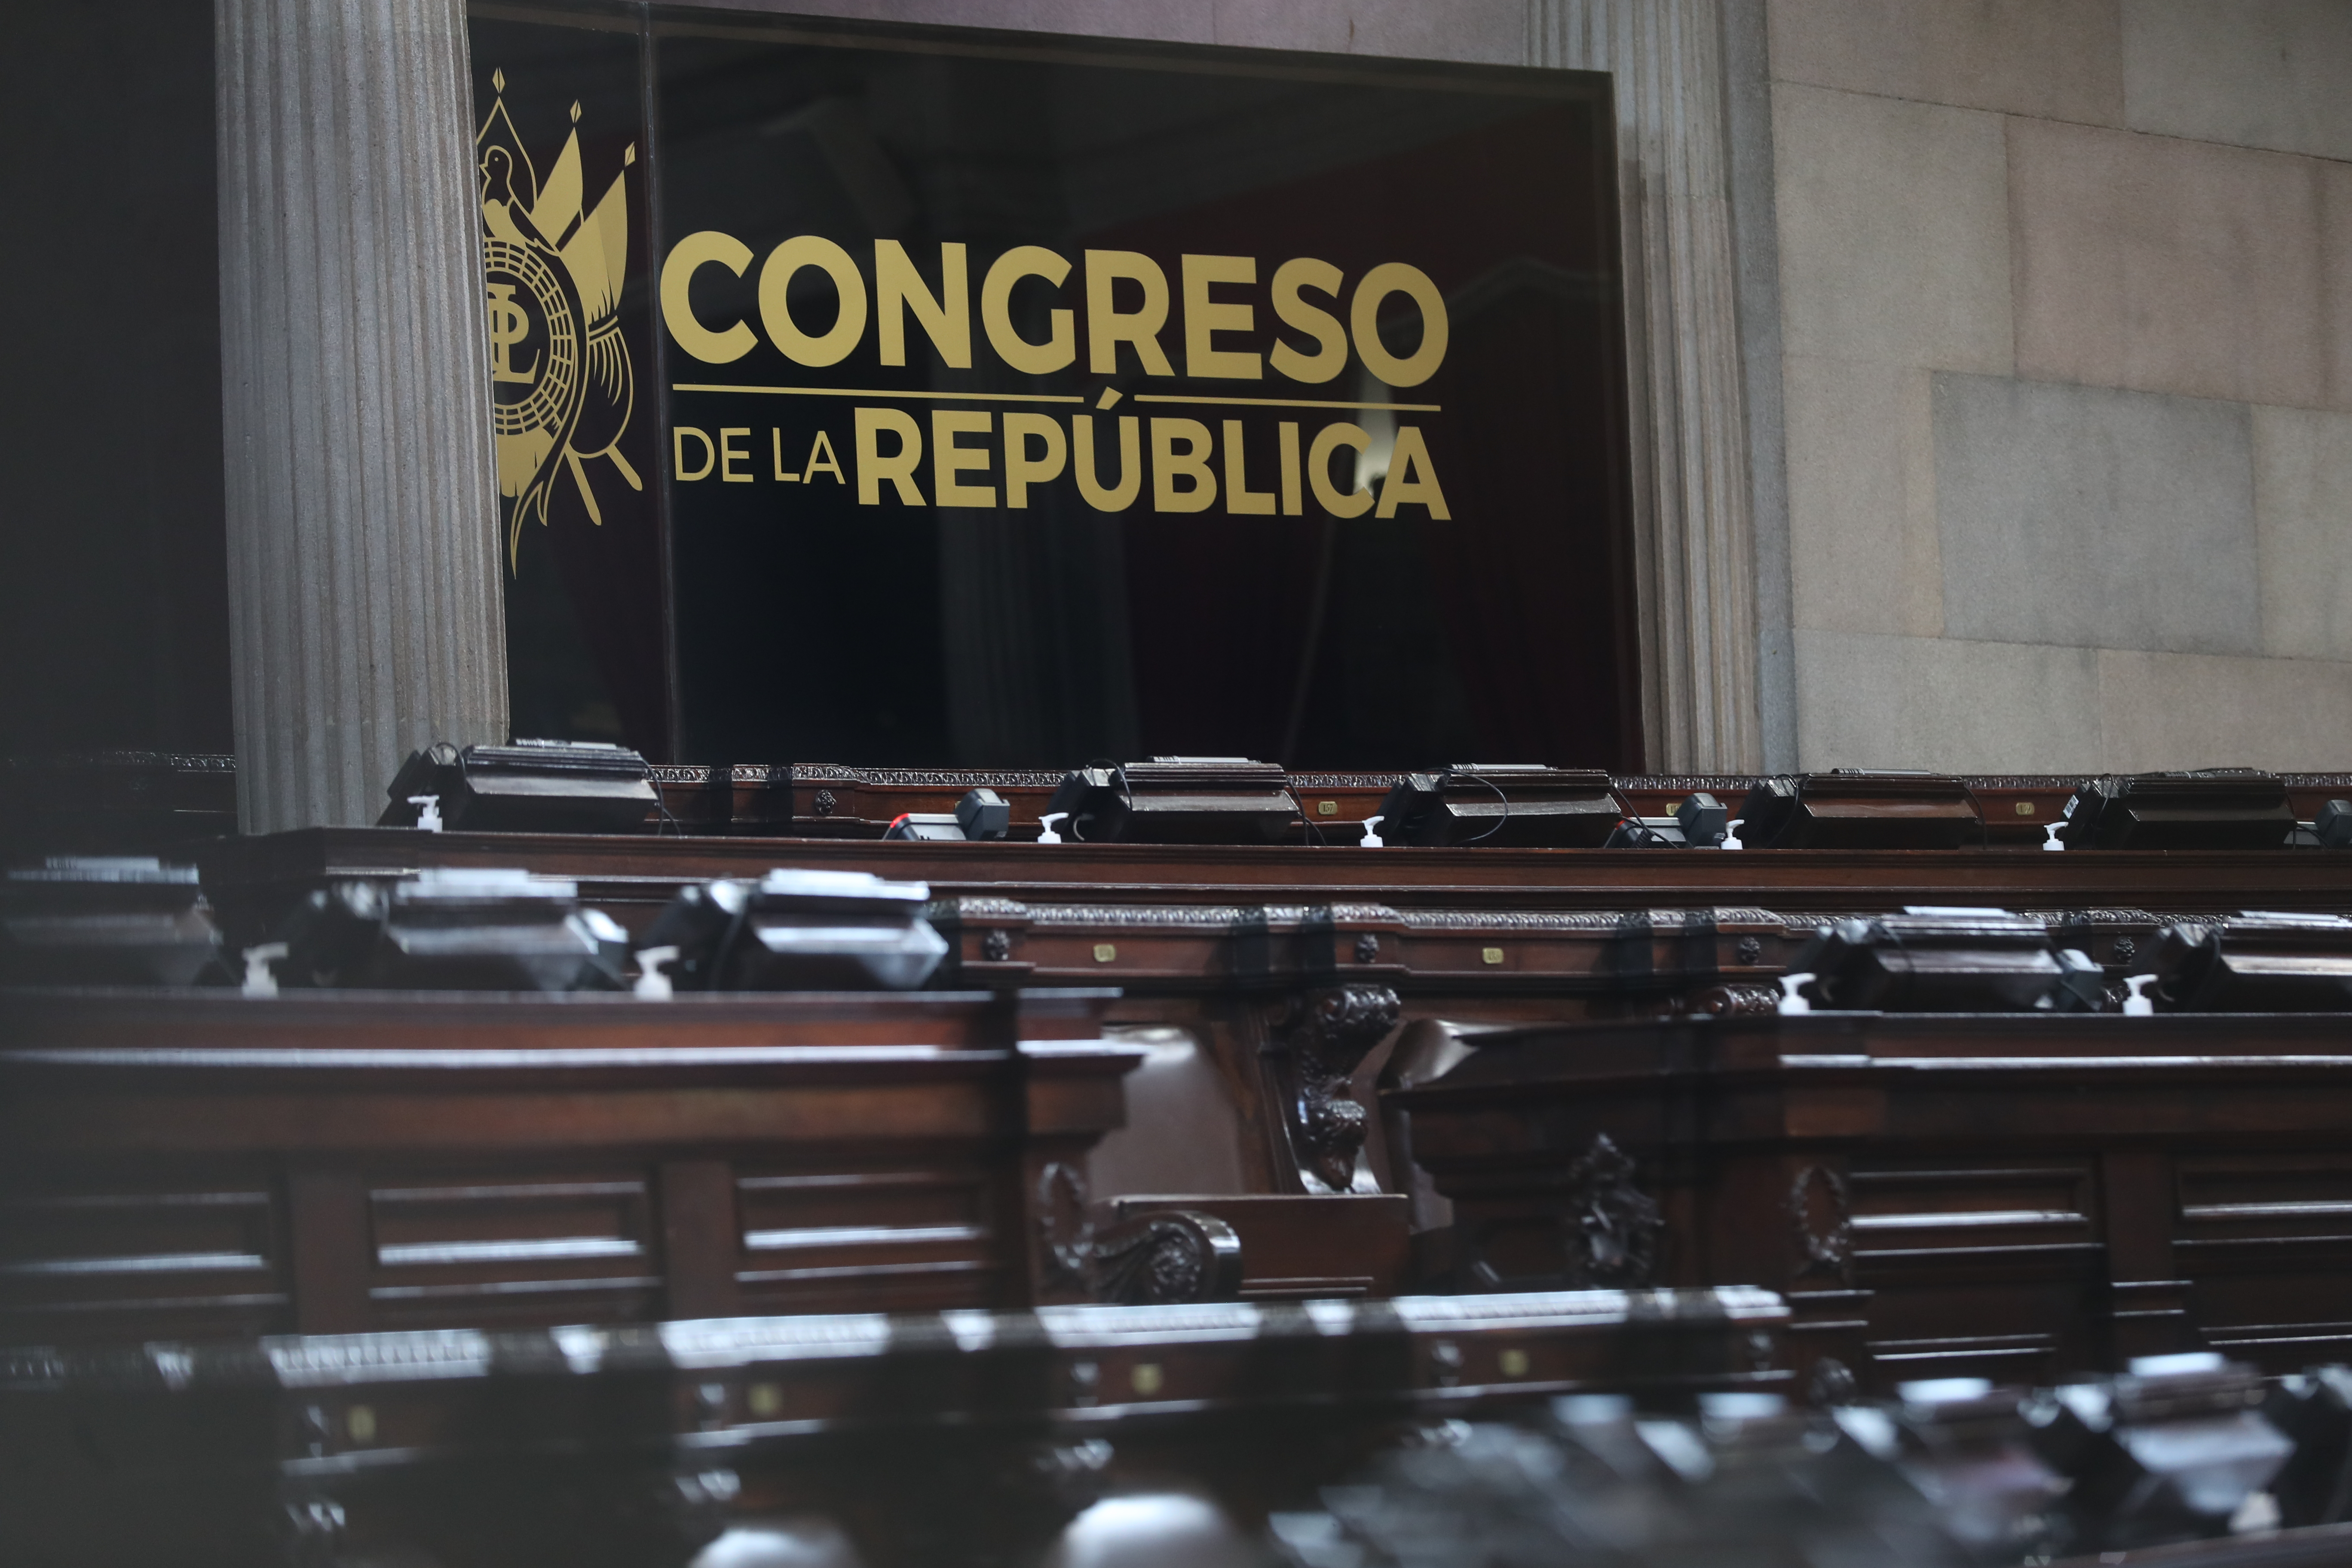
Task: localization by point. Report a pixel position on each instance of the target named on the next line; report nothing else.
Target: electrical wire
(1306, 821)
(1499, 821)
(668, 818)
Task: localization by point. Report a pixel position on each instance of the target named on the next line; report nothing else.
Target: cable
(1304, 820)
(661, 799)
(1499, 821)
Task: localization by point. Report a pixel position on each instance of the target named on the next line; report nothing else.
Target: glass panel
(1028, 400)
(560, 157)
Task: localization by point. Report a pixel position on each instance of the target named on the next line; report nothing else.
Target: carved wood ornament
(1155, 1259)
(1609, 1227)
(1317, 1042)
(1737, 1001)
(1821, 1211)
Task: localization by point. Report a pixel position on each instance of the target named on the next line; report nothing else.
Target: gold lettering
(1330, 356)
(822, 461)
(1060, 347)
(1408, 457)
(948, 460)
(730, 455)
(1121, 496)
(677, 444)
(898, 467)
(775, 310)
(509, 324)
(1169, 465)
(1020, 470)
(1107, 326)
(776, 449)
(898, 288)
(1364, 319)
(1292, 502)
(1240, 500)
(1327, 440)
(678, 312)
(1203, 318)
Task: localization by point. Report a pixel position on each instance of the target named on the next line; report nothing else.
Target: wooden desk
(826, 800)
(199, 1163)
(2021, 1196)
(936, 1439)
(114, 802)
(139, 802)
(1239, 947)
(250, 879)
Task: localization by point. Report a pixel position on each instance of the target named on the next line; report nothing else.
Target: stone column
(1695, 545)
(363, 509)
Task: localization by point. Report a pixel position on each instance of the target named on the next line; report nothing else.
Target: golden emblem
(561, 386)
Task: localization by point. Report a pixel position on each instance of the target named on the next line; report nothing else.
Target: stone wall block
(1946, 704)
(1894, 231)
(2303, 517)
(2187, 710)
(2073, 514)
(2168, 265)
(2256, 73)
(1861, 491)
(2056, 58)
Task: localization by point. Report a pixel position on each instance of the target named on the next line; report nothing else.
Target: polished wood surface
(201, 1163)
(2024, 1196)
(632, 877)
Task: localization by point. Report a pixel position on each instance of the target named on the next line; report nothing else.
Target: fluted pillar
(1697, 556)
(363, 511)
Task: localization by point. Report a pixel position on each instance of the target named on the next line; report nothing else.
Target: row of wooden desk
(826, 800)
(934, 1439)
(1937, 1194)
(492, 1278)
(1262, 1076)
(631, 876)
(361, 1269)
(102, 801)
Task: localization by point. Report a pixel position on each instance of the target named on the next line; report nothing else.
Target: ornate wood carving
(1064, 1228)
(1728, 1001)
(1318, 1040)
(1610, 1227)
(1821, 1212)
(1164, 1258)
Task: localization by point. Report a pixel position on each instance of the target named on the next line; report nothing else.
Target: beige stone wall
(2066, 315)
